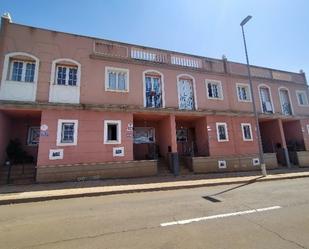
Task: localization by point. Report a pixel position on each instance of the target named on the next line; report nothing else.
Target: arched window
(285, 101)
(153, 89)
(65, 72)
(266, 99)
(19, 77)
(65, 81)
(186, 92)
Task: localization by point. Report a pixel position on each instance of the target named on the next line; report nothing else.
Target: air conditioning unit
(222, 164)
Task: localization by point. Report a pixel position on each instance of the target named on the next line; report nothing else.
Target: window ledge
(117, 91)
(19, 82)
(211, 98)
(66, 144)
(54, 84)
(112, 142)
(245, 101)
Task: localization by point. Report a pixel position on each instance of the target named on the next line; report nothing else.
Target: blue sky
(277, 35)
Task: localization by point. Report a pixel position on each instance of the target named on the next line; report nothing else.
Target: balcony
(116, 50)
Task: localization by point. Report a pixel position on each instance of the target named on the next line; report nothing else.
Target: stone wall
(77, 172)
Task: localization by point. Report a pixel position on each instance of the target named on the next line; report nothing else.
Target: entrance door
(285, 102)
(186, 97)
(186, 141)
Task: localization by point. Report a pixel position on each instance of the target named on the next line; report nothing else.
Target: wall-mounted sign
(44, 127)
(222, 164)
(44, 133)
(55, 154)
(118, 151)
(256, 161)
(130, 127)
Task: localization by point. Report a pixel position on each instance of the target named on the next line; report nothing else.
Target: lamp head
(245, 20)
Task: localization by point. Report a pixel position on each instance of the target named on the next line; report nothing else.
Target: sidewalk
(53, 191)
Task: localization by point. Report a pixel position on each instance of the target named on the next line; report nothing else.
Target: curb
(141, 190)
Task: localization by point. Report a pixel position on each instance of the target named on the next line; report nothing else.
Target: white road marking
(218, 216)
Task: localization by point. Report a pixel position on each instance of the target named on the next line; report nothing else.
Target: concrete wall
(233, 163)
(96, 171)
(90, 147)
(5, 130)
(167, 135)
(293, 132)
(235, 145)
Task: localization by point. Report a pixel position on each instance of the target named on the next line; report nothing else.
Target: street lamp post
(262, 163)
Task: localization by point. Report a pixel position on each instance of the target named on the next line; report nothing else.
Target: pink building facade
(83, 107)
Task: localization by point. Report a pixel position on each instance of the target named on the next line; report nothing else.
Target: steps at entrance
(20, 174)
(163, 168)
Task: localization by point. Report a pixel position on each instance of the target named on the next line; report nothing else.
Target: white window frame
(184, 77)
(249, 92)
(59, 132)
(243, 132)
(117, 70)
(290, 100)
(62, 63)
(271, 98)
(305, 94)
(226, 132)
(161, 76)
(115, 122)
(23, 71)
(67, 74)
(220, 89)
(23, 91)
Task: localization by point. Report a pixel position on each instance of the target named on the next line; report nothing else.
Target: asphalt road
(260, 215)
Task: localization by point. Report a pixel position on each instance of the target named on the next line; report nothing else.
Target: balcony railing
(147, 55)
(112, 49)
(185, 61)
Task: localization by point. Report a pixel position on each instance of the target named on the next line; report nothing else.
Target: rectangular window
(29, 76)
(222, 133)
(17, 70)
(66, 75)
(112, 132)
(22, 71)
(246, 132)
(243, 92)
(302, 98)
(67, 132)
(214, 89)
(117, 79)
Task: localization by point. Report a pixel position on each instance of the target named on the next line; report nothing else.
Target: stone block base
(232, 163)
(78, 172)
